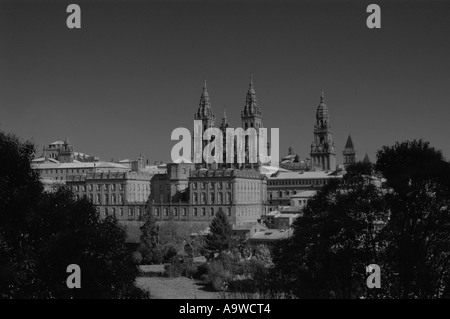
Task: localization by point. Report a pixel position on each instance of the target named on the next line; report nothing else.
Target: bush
(218, 274)
(137, 258)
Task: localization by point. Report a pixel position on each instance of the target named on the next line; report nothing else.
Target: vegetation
(41, 233)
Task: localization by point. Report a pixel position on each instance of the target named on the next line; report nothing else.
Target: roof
(78, 165)
(272, 234)
(285, 174)
(304, 194)
(366, 159)
(349, 144)
(57, 143)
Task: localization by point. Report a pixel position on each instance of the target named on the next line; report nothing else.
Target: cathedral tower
(206, 115)
(349, 152)
(323, 156)
(251, 115)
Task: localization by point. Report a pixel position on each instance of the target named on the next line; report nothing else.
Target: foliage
(417, 248)
(148, 247)
(332, 242)
(42, 233)
(220, 236)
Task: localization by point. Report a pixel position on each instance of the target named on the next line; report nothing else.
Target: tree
(333, 242)
(149, 244)
(417, 249)
(42, 233)
(219, 238)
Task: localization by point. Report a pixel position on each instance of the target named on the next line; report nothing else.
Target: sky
(118, 86)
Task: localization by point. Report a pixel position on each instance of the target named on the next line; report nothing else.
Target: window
(166, 212)
(121, 199)
(83, 188)
(76, 188)
(113, 199)
(194, 185)
(211, 185)
(139, 212)
(113, 210)
(98, 187)
(91, 187)
(157, 211)
(195, 198)
(130, 211)
(184, 211)
(98, 199)
(203, 211)
(106, 211)
(106, 199)
(194, 213)
(228, 198)
(228, 211)
(211, 198)
(91, 198)
(228, 185)
(203, 198)
(220, 198)
(105, 187)
(175, 211)
(113, 187)
(121, 187)
(121, 211)
(211, 212)
(204, 185)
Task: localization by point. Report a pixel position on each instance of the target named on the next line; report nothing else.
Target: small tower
(323, 156)
(349, 152)
(251, 115)
(366, 159)
(205, 114)
(66, 152)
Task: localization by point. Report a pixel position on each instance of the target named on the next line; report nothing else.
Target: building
(122, 194)
(282, 185)
(301, 198)
(349, 153)
(195, 195)
(269, 238)
(323, 156)
(63, 152)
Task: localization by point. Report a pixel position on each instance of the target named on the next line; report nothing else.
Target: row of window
(121, 211)
(195, 211)
(62, 171)
(210, 185)
(103, 200)
(98, 187)
(212, 198)
(299, 182)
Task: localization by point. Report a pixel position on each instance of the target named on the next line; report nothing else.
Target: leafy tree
(149, 244)
(220, 236)
(417, 250)
(333, 242)
(42, 233)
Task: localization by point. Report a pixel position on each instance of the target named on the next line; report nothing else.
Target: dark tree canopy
(220, 236)
(41, 233)
(404, 227)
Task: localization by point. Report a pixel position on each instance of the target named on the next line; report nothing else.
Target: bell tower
(323, 156)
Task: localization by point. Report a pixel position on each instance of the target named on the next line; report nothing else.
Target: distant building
(121, 194)
(323, 155)
(63, 152)
(349, 153)
(269, 238)
(284, 184)
(196, 195)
